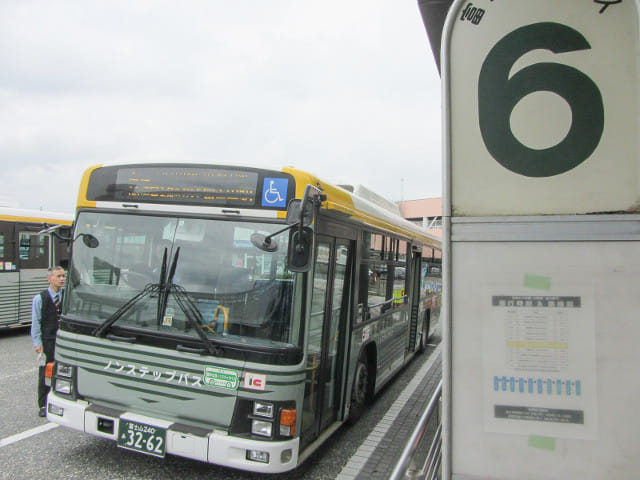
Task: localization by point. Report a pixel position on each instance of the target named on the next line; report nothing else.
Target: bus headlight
(262, 428)
(271, 420)
(64, 376)
(263, 409)
(64, 370)
(63, 386)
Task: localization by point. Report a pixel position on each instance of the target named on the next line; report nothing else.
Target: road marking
(27, 433)
(367, 447)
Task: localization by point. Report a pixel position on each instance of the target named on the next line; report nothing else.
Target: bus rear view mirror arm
(300, 213)
(89, 240)
(61, 232)
(265, 242)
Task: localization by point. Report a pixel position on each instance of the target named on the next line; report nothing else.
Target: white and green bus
(236, 316)
(31, 241)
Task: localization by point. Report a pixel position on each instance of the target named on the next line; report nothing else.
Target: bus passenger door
(416, 278)
(9, 275)
(327, 327)
(33, 262)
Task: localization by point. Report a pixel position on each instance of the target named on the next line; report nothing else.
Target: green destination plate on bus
(141, 438)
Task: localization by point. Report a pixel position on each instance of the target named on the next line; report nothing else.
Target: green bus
(236, 316)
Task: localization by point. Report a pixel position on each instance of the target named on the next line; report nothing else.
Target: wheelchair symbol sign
(274, 192)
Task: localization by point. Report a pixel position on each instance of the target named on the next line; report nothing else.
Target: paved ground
(32, 448)
(377, 456)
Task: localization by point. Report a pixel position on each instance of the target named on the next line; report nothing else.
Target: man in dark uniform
(45, 312)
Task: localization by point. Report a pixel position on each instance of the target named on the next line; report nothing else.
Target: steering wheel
(213, 326)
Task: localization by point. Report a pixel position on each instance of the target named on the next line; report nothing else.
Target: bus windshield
(241, 294)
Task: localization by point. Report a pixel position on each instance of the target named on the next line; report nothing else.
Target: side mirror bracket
(300, 214)
(61, 232)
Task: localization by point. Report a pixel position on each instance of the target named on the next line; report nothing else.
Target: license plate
(141, 437)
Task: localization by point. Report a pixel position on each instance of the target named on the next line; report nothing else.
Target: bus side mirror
(300, 248)
(89, 240)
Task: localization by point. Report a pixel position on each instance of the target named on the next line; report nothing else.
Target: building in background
(426, 212)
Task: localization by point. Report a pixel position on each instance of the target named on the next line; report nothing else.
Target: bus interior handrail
(431, 465)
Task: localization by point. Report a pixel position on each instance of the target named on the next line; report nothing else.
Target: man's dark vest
(49, 322)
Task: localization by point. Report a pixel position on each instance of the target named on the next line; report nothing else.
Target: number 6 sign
(498, 95)
(541, 107)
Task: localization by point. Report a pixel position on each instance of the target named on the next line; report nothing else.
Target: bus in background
(28, 247)
(236, 316)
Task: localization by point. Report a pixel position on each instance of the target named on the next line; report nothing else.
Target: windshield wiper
(194, 316)
(165, 283)
(184, 301)
(101, 331)
(164, 288)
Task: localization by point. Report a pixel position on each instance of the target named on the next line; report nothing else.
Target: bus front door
(327, 326)
(33, 262)
(9, 276)
(416, 278)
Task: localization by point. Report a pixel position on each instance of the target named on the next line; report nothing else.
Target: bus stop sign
(542, 100)
(541, 219)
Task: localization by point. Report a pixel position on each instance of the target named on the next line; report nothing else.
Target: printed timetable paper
(539, 362)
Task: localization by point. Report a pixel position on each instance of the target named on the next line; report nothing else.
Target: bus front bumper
(214, 446)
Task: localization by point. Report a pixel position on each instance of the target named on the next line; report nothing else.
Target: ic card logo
(255, 381)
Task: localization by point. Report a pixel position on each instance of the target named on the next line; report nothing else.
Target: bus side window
(8, 260)
(33, 251)
(374, 292)
(25, 246)
(61, 252)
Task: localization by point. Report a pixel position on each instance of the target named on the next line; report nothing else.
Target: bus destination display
(176, 184)
(187, 185)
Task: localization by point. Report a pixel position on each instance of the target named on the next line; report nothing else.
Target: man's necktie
(58, 304)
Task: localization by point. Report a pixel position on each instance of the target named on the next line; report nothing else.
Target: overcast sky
(347, 90)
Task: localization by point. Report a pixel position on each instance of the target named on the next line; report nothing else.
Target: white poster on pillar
(539, 354)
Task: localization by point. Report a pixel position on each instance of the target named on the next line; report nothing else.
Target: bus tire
(424, 336)
(360, 391)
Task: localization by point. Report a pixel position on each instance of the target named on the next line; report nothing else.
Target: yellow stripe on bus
(11, 218)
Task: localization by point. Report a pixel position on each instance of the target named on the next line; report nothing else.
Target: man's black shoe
(42, 412)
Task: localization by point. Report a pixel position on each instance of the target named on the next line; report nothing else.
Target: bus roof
(34, 216)
(370, 211)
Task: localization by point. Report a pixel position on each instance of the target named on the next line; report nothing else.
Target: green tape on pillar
(536, 281)
(542, 443)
